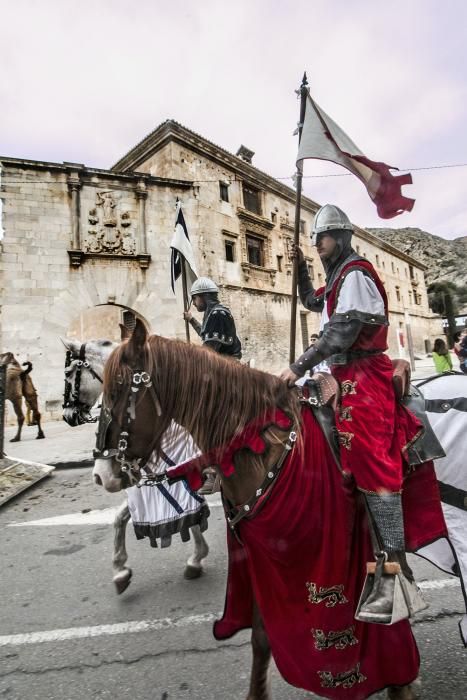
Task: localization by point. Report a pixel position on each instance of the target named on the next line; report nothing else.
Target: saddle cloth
(159, 511)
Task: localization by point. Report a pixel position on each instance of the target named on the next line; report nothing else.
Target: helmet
(330, 218)
(203, 285)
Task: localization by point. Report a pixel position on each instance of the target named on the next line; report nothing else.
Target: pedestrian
(462, 354)
(218, 333)
(322, 366)
(372, 426)
(441, 356)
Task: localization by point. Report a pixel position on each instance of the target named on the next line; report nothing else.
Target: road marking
(105, 516)
(439, 583)
(138, 626)
(61, 635)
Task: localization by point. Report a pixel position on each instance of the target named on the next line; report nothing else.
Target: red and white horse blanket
(302, 558)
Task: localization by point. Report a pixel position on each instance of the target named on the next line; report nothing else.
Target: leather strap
(234, 514)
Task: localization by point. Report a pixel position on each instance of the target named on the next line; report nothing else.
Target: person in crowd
(441, 356)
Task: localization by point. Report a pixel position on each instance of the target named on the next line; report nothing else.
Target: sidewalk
(62, 446)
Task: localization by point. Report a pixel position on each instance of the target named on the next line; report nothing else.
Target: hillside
(446, 260)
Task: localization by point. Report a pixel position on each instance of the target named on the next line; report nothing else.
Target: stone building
(86, 248)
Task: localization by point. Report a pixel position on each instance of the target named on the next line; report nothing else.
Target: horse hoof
(402, 692)
(122, 580)
(192, 572)
(15, 439)
(40, 437)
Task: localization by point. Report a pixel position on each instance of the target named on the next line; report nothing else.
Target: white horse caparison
(90, 388)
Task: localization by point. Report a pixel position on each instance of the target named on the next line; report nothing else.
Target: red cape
(303, 559)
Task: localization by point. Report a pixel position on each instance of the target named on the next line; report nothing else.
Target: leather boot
(208, 487)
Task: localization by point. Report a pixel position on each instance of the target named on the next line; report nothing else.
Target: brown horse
(309, 626)
(18, 385)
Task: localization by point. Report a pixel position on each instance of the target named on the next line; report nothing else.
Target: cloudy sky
(85, 81)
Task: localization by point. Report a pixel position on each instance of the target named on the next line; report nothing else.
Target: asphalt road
(80, 640)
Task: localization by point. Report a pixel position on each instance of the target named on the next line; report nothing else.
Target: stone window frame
(246, 185)
(224, 191)
(230, 237)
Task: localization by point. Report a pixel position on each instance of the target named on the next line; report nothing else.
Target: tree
(442, 301)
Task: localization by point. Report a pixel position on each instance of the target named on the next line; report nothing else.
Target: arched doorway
(102, 321)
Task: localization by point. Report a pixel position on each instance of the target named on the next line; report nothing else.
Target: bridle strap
(71, 394)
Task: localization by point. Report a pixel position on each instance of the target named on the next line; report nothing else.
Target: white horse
(446, 405)
(155, 514)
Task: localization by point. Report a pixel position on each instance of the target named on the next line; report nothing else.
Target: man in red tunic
(373, 429)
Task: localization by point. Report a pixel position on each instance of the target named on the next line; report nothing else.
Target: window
(128, 319)
(377, 261)
(302, 226)
(251, 199)
(229, 251)
(273, 217)
(410, 296)
(279, 263)
(382, 263)
(398, 293)
(311, 272)
(358, 249)
(392, 266)
(255, 250)
(224, 191)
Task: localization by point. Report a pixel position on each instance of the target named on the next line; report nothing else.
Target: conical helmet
(204, 285)
(331, 218)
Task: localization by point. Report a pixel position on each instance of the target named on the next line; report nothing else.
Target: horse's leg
(405, 692)
(31, 401)
(259, 681)
(19, 417)
(122, 574)
(194, 565)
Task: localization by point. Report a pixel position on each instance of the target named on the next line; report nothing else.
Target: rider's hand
(187, 315)
(296, 253)
(289, 377)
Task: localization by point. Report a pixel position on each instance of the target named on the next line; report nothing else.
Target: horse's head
(131, 423)
(84, 366)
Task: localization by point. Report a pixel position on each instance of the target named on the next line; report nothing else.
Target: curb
(73, 464)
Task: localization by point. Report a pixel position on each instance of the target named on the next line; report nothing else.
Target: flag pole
(298, 201)
(186, 305)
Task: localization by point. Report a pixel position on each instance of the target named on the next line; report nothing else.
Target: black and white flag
(182, 252)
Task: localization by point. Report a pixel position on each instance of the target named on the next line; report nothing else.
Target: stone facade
(83, 246)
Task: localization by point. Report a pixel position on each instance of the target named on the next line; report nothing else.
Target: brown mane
(212, 397)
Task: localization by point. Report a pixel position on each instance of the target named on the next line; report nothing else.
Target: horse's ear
(125, 332)
(137, 339)
(69, 344)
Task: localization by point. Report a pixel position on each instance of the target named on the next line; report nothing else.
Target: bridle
(75, 412)
(130, 468)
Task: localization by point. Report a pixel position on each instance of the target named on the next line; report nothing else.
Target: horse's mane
(214, 398)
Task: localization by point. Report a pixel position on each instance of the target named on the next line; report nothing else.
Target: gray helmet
(330, 218)
(204, 285)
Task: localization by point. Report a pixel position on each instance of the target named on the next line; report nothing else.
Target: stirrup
(388, 596)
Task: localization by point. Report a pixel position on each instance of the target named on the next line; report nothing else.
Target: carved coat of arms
(110, 228)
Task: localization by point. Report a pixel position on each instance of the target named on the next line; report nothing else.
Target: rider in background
(218, 333)
(373, 429)
(217, 330)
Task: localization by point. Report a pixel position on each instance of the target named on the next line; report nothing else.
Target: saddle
(322, 393)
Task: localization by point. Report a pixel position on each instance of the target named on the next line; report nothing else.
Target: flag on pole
(182, 252)
(324, 140)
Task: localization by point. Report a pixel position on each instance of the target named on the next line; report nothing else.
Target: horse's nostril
(97, 480)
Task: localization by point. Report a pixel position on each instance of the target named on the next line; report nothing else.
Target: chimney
(245, 154)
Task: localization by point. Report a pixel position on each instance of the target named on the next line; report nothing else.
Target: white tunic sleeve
(359, 293)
